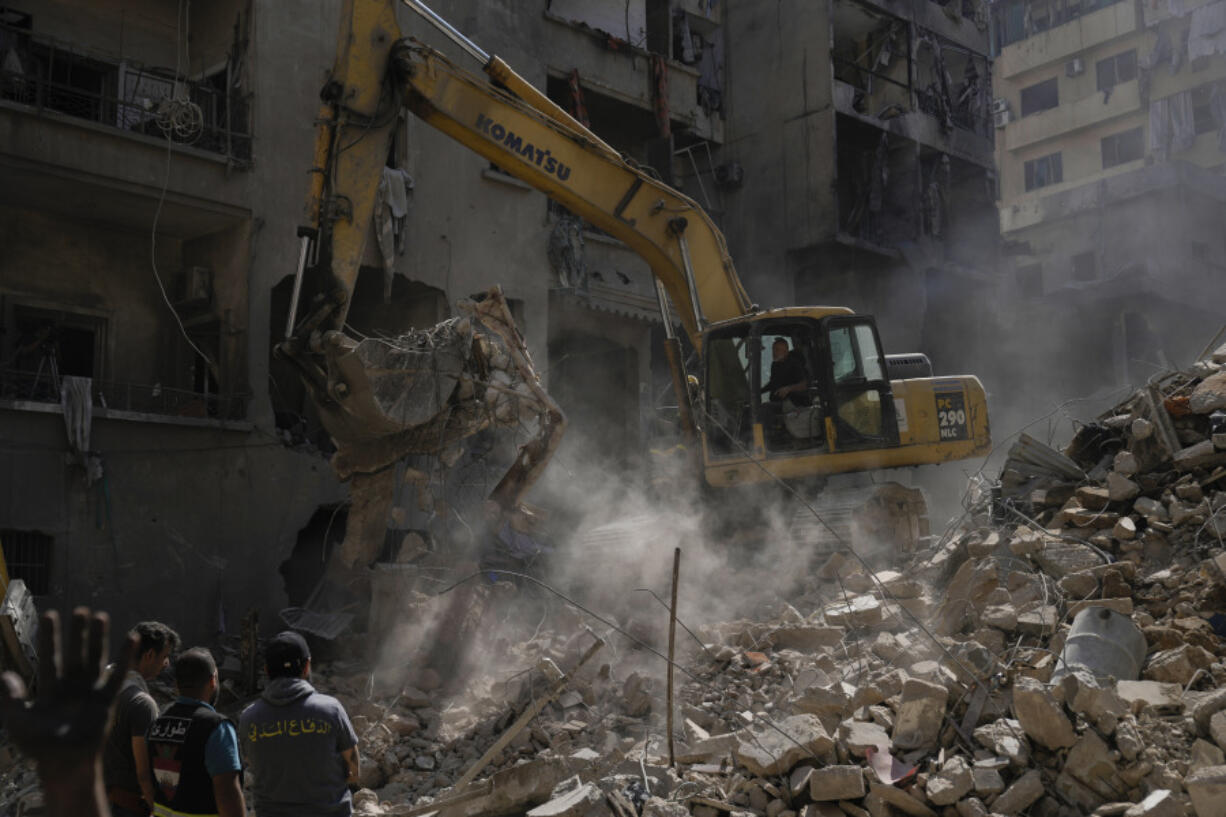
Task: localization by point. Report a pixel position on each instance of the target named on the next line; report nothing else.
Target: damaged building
(155, 158)
(863, 143)
(1110, 135)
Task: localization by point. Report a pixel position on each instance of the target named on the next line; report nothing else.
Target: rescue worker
(125, 759)
(193, 749)
(299, 743)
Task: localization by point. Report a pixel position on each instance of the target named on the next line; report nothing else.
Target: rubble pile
(1057, 653)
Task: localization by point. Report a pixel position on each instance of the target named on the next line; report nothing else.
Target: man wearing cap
(299, 744)
(193, 750)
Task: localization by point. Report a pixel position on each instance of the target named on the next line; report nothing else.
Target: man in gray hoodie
(299, 745)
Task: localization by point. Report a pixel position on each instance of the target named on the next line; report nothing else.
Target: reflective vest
(176, 741)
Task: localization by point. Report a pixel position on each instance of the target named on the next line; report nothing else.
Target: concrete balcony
(1059, 43)
(932, 17)
(920, 127)
(1125, 99)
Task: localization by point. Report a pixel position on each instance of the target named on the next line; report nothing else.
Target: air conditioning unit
(999, 104)
(1074, 67)
(1001, 118)
(195, 287)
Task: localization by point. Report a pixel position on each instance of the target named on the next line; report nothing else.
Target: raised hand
(64, 727)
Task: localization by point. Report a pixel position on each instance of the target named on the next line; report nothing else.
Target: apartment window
(1120, 148)
(1114, 70)
(1041, 96)
(1030, 280)
(1044, 171)
(1085, 266)
(27, 554)
(1202, 110)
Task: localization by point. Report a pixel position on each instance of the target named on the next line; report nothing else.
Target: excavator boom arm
(572, 166)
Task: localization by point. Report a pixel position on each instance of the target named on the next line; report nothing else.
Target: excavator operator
(788, 380)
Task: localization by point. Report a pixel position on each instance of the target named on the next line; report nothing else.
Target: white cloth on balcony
(391, 217)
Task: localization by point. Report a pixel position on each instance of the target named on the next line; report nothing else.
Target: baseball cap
(286, 650)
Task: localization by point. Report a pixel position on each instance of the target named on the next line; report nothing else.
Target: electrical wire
(157, 214)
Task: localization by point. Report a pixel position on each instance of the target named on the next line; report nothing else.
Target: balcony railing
(44, 387)
(50, 75)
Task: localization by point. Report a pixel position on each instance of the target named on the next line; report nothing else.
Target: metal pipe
(662, 300)
(450, 31)
(304, 244)
(678, 226)
(672, 640)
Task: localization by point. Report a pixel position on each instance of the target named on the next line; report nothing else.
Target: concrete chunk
(1159, 803)
(836, 783)
(585, 800)
(1025, 790)
(1140, 695)
(951, 784)
(1120, 488)
(920, 714)
(900, 800)
(1041, 716)
(987, 781)
(768, 752)
(1005, 737)
(1207, 788)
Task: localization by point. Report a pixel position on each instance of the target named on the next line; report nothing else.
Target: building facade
(155, 459)
(1111, 127)
(863, 134)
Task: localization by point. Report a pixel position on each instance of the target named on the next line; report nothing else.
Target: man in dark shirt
(299, 743)
(788, 380)
(125, 760)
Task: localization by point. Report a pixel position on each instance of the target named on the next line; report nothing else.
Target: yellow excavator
(857, 410)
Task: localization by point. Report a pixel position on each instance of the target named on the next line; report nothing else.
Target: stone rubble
(923, 689)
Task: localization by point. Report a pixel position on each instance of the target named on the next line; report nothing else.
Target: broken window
(871, 53)
(44, 345)
(1085, 266)
(1044, 171)
(1119, 68)
(1120, 148)
(1041, 96)
(1030, 280)
(27, 555)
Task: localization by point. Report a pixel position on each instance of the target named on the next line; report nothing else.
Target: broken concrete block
(1150, 508)
(921, 712)
(1004, 737)
(1041, 716)
(1096, 699)
(898, 799)
(1217, 728)
(1205, 754)
(1079, 585)
(1209, 395)
(1163, 697)
(1201, 455)
(1003, 617)
(584, 800)
(1025, 790)
(859, 611)
(1174, 666)
(1125, 529)
(710, 750)
(806, 638)
(1159, 803)
(768, 752)
(1142, 429)
(860, 736)
(836, 783)
(951, 784)
(659, 807)
(1089, 776)
(825, 702)
(986, 782)
(1120, 488)
(1207, 707)
(971, 807)
(1207, 788)
(1093, 498)
(1126, 464)
(1041, 621)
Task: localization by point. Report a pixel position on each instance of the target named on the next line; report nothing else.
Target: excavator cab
(844, 397)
